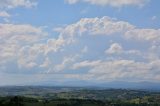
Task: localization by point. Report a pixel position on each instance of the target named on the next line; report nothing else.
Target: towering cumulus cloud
(104, 44)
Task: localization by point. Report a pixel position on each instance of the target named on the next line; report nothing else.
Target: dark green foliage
(23, 101)
(48, 96)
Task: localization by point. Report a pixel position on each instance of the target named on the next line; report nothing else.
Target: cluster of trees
(24, 101)
(11, 101)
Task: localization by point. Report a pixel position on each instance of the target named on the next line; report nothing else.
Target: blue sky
(79, 40)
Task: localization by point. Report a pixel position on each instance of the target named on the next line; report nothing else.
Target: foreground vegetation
(23, 101)
(49, 96)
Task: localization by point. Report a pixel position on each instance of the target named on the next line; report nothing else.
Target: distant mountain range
(115, 84)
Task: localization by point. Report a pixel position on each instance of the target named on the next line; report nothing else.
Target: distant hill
(115, 84)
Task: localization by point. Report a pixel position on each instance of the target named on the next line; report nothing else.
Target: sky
(60, 41)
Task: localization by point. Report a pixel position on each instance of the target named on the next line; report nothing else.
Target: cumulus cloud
(20, 33)
(14, 37)
(26, 44)
(97, 26)
(8, 52)
(32, 53)
(66, 63)
(109, 26)
(113, 3)
(46, 63)
(28, 55)
(119, 70)
(152, 35)
(79, 76)
(115, 48)
(16, 3)
(54, 44)
(85, 64)
(72, 1)
(4, 14)
(74, 49)
(125, 69)
(85, 27)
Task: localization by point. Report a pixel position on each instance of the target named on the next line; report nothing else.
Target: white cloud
(7, 52)
(14, 37)
(58, 29)
(97, 26)
(17, 3)
(152, 35)
(109, 26)
(113, 3)
(79, 76)
(66, 63)
(46, 63)
(30, 65)
(119, 70)
(13, 33)
(29, 47)
(132, 67)
(53, 45)
(33, 53)
(115, 48)
(27, 40)
(4, 14)
(72, 1)
(85, 64)
(39, 50)
(28, 55)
